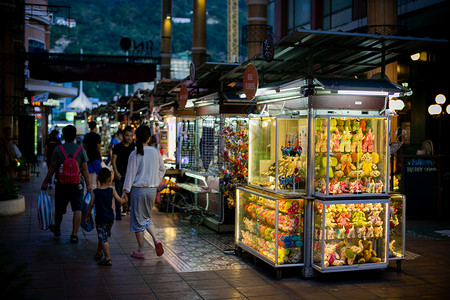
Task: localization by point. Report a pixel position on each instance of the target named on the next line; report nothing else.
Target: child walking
(102, 197)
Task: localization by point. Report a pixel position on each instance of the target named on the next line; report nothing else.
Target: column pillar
(199, 32)
(257, 21)
(166, 37)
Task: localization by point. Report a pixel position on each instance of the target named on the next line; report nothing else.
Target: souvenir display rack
(278, 154)
(187, 137)
(350, 235)
(270, 227)
(351, 156)
(397, 229)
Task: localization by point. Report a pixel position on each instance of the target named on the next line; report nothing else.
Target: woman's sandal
(73, 239)
(159, 249)
(105, 262)
(56, 231)
(98, 256)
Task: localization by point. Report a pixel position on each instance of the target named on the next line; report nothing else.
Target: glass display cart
(350, 155)
(397, 228)
(278, 151)
(350, 235)
(270, 227)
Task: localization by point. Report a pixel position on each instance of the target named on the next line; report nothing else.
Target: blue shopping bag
(90, 224)
(45, 210)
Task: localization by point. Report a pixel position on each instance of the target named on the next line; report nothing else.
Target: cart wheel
(279, 274)
(239, 251)
(196, 219)
(399, 265)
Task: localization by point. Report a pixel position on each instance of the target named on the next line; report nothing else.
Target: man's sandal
(73, 239)
(98, 256)
(105, 262)
(56, 231)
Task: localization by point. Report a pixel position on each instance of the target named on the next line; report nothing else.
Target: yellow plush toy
(368, 255)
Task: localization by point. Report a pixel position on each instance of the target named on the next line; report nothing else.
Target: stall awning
(59, 67)
(35, 87)
(206, 79)
(324, 53)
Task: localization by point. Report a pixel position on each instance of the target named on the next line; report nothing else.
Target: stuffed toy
(355, 126)
(340, 233)
(378, 231)
(356, 145)
(329, 220)
(345, 165)
(321, 141)
(330, 234)
(340, 125)
(350, 232)
(367, 144)
(335, 140)
(343, 219)
(323, 170)
(345, 145)
(368, 255)
(348, 254)
(359, 219)
(331, 257)
(362, 125)
(374, 218)
(333, 124)
(369, 233)
(361, 232)
(294, 257)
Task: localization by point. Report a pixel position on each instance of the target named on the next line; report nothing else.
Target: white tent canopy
(81, 103)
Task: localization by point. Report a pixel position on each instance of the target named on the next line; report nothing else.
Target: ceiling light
(415, 56)
(434, 109)
(440, 99)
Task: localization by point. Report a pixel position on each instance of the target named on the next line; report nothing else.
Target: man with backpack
(92, 145)
(73, 162)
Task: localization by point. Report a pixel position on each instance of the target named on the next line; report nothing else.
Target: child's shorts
(103, 231)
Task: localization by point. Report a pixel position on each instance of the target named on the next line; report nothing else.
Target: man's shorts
(68, 192)
(94, 166)
(103, 231)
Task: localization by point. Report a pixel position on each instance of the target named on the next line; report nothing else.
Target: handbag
(90, 224)
(44, 210)
(161, 187)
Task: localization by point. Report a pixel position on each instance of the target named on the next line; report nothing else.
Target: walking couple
(145, 171)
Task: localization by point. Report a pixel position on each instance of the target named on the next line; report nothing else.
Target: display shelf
(187, 137)
(397, 227)
(351, 156)
(350, 235)
(278, 154)
(270, 227)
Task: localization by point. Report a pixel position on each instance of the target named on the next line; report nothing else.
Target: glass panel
(349, 230)
(292, 155)
(257, 227)
(358, 157)
(396, 227)
(262, 152)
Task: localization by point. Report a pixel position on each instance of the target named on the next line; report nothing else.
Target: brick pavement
(60, 270)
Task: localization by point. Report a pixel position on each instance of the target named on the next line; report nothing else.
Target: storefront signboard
(183, 96)
(250, 82)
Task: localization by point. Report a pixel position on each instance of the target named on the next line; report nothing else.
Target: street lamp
(436, 109)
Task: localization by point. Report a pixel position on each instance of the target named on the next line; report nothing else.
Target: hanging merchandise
(235, 158)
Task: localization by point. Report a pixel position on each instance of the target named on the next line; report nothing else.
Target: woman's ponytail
(142, 135)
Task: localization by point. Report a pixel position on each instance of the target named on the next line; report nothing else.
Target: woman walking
(145, 171)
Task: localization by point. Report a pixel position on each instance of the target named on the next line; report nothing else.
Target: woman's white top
(144, 171)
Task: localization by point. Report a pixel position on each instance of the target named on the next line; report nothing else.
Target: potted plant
(11, 203)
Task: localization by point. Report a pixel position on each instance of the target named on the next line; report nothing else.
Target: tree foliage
(102, 23)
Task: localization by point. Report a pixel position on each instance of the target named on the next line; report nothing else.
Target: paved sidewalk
(61, 270)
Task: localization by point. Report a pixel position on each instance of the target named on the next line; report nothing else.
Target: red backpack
(70, 171)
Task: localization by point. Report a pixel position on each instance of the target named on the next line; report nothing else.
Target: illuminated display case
(270, 227)
(397, 227)
(278, 154)
(350, 235)
(350, 156)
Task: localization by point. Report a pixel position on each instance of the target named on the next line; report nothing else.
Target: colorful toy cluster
(259, 233)
(395, 228)
(349, 221)
(235, 159)
(348, 232)
(353, 164)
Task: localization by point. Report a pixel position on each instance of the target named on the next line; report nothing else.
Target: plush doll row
(262, 215)
(345, 252)
(345, 135)
(286, 255)
(349, 221)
